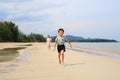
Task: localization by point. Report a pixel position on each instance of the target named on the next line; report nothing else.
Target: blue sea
(110, 50)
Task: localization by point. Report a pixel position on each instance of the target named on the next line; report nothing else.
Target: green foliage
(5, 33)
(9, 32)
(37, 37)
(22, 37)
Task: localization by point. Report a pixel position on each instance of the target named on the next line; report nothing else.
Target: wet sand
(38, 63)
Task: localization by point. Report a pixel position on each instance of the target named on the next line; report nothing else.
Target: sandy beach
(36, 62)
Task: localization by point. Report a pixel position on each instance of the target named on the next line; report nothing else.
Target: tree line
(9, 32)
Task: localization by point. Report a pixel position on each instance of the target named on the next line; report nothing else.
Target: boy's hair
(61, 29)
(48, 36)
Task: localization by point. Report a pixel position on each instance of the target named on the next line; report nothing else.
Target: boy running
(60, 43)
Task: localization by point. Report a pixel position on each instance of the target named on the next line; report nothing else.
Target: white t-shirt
(49, 41)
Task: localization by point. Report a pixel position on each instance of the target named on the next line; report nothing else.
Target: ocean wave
(96, 52)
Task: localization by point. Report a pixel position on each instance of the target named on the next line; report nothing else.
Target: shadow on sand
(74, 64)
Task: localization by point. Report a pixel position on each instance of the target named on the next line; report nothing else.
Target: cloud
(22, 9)
(84, 18)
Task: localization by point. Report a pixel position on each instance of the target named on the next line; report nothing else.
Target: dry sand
(43, 64)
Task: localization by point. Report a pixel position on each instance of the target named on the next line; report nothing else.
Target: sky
(85, 18)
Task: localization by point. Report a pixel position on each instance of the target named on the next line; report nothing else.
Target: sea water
(111, 50)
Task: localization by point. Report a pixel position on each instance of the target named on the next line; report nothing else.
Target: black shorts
(60, 48)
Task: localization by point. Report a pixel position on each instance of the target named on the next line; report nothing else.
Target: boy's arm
(54, 46)
(69, 43)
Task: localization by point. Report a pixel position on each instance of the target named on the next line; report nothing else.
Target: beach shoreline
(43, 64)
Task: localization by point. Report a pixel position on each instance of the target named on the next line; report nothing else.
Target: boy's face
(60, 33)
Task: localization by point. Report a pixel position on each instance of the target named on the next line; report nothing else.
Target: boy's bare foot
(59, 62)
(62, 62)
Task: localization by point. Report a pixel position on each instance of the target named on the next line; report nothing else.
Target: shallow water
(110, 50)
(105, 47)
(9, 54)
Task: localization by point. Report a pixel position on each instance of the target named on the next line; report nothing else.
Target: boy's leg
(59, 56)
(62, 53)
